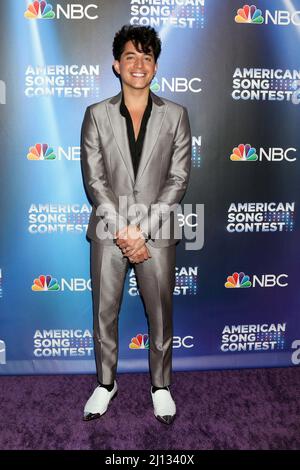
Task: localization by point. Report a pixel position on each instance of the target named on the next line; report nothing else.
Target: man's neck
(135, 99)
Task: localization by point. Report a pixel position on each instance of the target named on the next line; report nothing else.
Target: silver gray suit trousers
(156, 281)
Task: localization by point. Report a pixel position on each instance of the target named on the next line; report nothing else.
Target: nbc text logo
(40, 9)
(183, 342)
(45, 283)
(141, 341)
(49, 283)
(242, 280)
(177, 85)
(252, 15)
(247, 153)
(46, 152)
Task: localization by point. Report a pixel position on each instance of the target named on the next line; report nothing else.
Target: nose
(139, 61)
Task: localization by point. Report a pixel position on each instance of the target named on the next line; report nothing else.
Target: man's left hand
(129, 240)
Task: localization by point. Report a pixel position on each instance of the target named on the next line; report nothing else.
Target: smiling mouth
(138, 75)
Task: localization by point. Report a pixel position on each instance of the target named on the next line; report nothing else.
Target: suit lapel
(118, 124)
(152, 132)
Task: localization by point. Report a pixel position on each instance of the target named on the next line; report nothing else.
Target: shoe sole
(93, 416)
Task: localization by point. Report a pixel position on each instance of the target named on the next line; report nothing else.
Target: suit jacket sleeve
(95, 174)
(176, 183)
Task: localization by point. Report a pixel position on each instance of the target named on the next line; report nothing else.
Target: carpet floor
(225, 409)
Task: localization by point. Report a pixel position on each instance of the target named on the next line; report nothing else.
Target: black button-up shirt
(136, 146)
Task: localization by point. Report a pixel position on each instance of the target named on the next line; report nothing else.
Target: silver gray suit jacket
(152, 199)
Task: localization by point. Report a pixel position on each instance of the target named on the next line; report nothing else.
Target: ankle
(154, 389)
(108, 387)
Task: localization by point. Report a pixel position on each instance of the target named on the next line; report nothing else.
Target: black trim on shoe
(92, 416)
(168, 419)
(154, 389)
(109, 387)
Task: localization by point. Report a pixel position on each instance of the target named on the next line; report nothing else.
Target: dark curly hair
(146, 36)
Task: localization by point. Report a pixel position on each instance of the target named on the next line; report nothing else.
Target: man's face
(135, 68)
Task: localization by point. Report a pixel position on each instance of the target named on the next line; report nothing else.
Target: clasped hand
(132, 244)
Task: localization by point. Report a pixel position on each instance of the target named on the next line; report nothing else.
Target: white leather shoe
(98, 402)
(164, 406)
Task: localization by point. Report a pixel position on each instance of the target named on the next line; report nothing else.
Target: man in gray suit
(136, 157)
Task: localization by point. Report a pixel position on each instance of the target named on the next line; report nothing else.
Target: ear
(156, 67)
(116, 66)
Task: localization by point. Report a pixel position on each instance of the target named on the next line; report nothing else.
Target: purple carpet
(228, 409)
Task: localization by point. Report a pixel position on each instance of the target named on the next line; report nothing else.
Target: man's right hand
(140, 256)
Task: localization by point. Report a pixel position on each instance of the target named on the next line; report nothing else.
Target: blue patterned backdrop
(236, 68)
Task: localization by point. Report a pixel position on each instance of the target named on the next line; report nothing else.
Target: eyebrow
(145, 53)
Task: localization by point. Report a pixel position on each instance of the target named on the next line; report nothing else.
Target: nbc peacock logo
(238, 280)
(39, 9)
(45, 283)
(41, 152)
(244, 153)
(155, 86)
(140, 341)
(249, 14)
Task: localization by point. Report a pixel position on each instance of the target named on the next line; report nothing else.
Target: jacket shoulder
(99, 104)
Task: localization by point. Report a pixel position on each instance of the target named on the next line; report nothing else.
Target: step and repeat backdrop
(236, 67)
